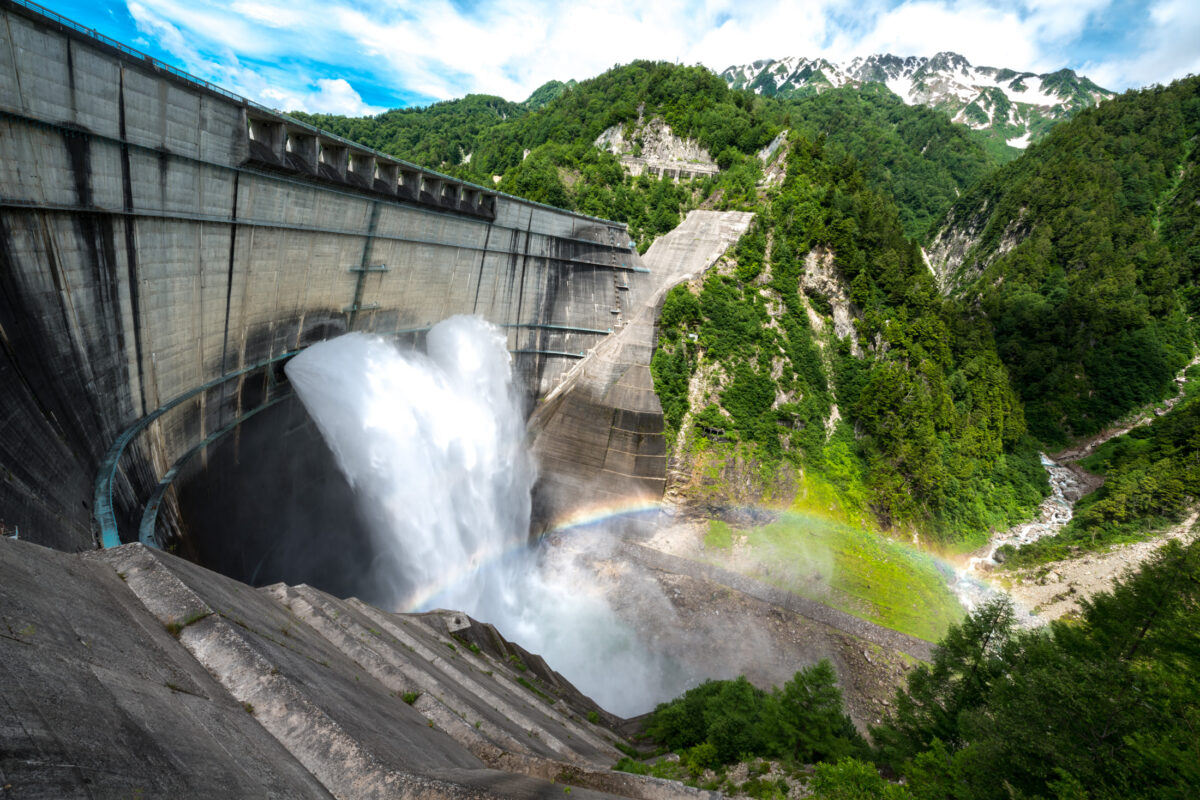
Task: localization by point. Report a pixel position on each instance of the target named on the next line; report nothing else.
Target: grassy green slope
(845, 566)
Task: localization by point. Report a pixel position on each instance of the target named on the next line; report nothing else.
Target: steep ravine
(1051, 590)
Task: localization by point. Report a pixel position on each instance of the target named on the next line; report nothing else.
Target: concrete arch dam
(165, 245)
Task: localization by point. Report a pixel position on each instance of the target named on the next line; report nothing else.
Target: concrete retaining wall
(158, 235)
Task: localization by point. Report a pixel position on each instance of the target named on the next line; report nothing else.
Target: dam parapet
(165, 245)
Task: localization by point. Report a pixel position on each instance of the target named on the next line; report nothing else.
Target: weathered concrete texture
(599, 436)
(147, 249)
(134, 673)
(97, 699)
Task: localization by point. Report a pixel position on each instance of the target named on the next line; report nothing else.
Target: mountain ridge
(1010, 107)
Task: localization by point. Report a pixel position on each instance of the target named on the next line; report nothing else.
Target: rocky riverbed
(1055, 589)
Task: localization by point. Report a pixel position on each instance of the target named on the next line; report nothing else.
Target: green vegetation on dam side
(907, 412)
(942, 400)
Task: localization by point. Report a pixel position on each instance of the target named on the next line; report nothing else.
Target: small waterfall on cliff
(434, 444)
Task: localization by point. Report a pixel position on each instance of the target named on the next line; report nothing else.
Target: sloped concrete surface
(131, 672)
(598, 436)
(98, 700)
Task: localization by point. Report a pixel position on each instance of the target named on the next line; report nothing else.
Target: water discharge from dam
(434, 446)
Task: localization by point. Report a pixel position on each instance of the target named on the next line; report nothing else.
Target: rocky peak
(1008, 104)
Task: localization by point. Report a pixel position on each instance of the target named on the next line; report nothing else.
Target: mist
(433, 445)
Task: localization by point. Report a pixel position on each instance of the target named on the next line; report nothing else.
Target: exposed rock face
(820, 278)
(950, 253)
(774, 160)
(652, 147)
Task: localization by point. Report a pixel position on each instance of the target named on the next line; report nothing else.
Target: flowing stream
(1053, 515)
(1056, 511)
(434, 446)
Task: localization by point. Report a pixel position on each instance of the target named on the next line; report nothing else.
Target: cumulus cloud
(328, 55)
(327, 96)
(1167, 47)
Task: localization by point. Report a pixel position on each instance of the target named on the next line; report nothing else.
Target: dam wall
(166, 245)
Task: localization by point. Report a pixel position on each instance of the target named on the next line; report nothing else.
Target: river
(1067, 484)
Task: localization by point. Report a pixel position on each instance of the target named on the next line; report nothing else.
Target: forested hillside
(913, 153)
(1106, 707)
(441, 136)
(927, 431)
(543, 149)
(1083, 255)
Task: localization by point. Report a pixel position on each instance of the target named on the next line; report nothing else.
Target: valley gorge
(804, 429)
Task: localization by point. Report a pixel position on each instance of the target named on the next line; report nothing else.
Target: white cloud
(438, 49)
(985, 35)
(270, 14)
(336, 96)
(1168, 48)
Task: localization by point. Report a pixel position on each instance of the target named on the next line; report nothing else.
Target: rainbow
(578, 519)
(425, 597)
(597, 513)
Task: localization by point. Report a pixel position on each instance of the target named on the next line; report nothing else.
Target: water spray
(434, 446)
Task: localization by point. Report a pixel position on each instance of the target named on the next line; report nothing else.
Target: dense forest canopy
(1087, 258)
(438, 136)
(914, 153)
(542, 149)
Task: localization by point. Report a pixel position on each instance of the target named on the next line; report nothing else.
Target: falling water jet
(434, 446)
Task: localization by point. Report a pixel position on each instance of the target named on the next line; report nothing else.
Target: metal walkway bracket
(548, 353)
(565, 328)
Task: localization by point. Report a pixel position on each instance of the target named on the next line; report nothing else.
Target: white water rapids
(434, 446)
(1057, 509)
(1053, 515)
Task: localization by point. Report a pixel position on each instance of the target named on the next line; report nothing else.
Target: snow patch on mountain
(1018, 106)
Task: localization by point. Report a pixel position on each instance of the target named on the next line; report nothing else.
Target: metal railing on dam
(160, 236)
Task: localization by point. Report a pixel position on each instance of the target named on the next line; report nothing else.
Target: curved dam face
(166, 246)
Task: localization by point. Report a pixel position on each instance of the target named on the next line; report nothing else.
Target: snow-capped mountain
(1016, 107)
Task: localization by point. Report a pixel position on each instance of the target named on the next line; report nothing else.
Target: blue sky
(359, 57)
